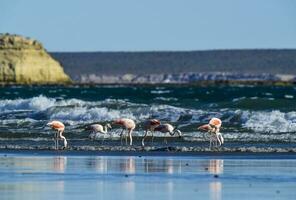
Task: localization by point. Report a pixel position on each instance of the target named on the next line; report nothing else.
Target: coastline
(171, 149)
(210, 155)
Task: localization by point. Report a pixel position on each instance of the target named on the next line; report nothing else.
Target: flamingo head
(50, 124)
(109, 125)
(179, 133)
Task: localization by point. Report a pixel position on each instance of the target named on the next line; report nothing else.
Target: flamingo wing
(204, 127)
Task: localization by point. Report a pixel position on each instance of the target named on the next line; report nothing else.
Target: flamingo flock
(128, 126)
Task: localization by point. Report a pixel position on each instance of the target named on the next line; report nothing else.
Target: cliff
(25, 61)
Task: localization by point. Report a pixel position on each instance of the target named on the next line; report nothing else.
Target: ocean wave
(269, 121)
(35, 112)
(39, 103)
(35, 103)
(83, 114)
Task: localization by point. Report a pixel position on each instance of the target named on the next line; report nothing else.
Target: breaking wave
(32, 113)
(269, 121)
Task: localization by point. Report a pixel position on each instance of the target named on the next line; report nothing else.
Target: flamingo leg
(130, 136)
(152, 137)
(103, 138)
(220, 137)
(211, 141)
(56, 140)
(145, 135)
(63, 138)
(215, 141)
(218, 140)
(165, 140)
(121, 136)
(126, 134)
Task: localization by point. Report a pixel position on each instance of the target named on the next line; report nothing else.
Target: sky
(152, 25)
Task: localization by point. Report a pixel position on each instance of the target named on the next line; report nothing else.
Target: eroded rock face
(25, 61)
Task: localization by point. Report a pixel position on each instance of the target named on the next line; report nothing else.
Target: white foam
(35, 103)
(166, 99)
(40, 103)
(269, 121)
(287, 96)
(160, 91)
(84, 114)
(77, 112)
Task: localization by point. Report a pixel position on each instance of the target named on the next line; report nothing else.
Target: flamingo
(60, 128)
(127, 124)
(213, 128)
(98, 129)
(168, 128)
(150, 125)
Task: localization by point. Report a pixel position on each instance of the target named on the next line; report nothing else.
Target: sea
(254, 117)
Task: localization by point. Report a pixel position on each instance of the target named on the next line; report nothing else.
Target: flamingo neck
(106, 129)
(172, 133)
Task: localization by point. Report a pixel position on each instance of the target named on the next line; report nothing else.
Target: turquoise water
(28, 176)
(261, 115)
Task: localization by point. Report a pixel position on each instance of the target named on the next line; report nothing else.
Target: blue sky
(149, 25)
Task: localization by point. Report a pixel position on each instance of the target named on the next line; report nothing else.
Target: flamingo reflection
(59, 165)
(216, 167)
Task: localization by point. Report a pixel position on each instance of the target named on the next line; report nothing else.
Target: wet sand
(85, 175)
(173, 145)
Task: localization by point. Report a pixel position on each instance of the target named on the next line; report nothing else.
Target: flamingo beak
(180, 134)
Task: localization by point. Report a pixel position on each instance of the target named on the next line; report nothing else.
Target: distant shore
(176, 81)
(190, 78)
(254, 66)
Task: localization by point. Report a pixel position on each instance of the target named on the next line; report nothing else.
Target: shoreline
(214, 155)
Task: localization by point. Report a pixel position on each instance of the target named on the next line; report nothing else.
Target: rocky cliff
(25, 61)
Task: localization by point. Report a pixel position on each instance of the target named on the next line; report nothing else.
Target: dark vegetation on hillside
(235, 61)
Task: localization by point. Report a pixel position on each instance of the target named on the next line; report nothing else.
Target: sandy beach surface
(90, 175)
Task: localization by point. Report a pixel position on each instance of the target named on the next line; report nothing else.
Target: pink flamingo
(60, 128)
(213, 128)
(150, 125)
(168, 128)
(98, 129)
(127, 124)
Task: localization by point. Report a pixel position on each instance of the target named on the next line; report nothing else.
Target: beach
(84, 175)
(256, 161)
(147, 100)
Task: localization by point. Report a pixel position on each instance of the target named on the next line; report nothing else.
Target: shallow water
(259, 115)
(27, 176)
